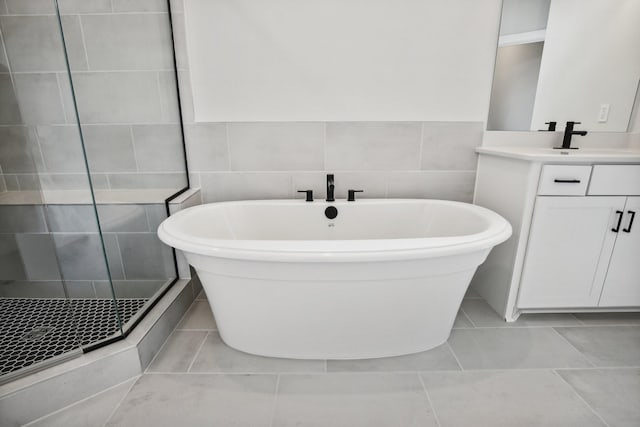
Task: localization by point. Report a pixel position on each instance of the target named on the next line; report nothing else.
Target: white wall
(514, 87)
(519, 16)
(360, 60)
(591, 57)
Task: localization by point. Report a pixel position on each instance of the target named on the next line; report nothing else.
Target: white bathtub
(384, 278)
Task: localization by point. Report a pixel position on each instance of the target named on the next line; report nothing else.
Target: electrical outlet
(603, 115)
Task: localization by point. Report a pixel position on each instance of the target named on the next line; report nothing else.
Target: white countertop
(550, 155)
(83, 197)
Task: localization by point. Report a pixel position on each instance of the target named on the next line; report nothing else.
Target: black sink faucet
(330, 188)
(568, 133)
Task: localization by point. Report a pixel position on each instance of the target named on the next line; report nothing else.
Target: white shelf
(522, 38)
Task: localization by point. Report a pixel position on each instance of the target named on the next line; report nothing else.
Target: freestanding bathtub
(384, 278)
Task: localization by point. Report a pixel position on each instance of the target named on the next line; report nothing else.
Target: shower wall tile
(71, 219)
(81, 256)
(155, 215)
(22, 219)
(74, 42)
(373, 145)
(445, 185)
(168, 93)
(276, 146)
(3, 7)
(32, 289)
(128, 41)
(123, 218)
(61, 148)
(374, 184)
(39, 98)
(158, 148)
(33, 43)
(118, 97)
(114, 256)
(109, 148)
(145, 257)
(80, 289)
(137, 288)
(29, 182)
(451, 145)
(31, 6)
(224, 186)
(207, 147)
(11, 181)
(147, 180)
(140, 5)
(10, 261)
(180, 40)
(84, 6)
(16, 154)
(38, 256)
(78, 181)
(9, 109)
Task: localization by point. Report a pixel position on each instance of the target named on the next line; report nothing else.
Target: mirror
(566, 60)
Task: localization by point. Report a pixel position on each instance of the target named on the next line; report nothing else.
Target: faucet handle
(309, 194)
(352, 195)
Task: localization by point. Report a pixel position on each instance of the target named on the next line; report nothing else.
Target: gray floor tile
(201, 296)
(178, 352)
(506, 398)
(606, 345)
(352, 400)
(93, 411)
(216, 356)
(612, 393)
(439, 358)
(197, 400)
(514, 348)
(462, 321)
(593, 319)
(482, 315)
(199, 316)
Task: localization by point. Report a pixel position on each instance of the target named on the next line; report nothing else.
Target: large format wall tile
(22, 219)
(223, 186)
(16, 155)
(451, 145)
(81, 256)
(373, 145)
(207, 147)
(38, 256)
(145, 257)
(39, 98)
(158, 148)
(61, 149)
(33, 43)
(276, 146)
(31, 6)
(118, 97)
(10, 261)
(128, 41)
(84, 6)
(109, 148)
(140, 5)
(9, 109)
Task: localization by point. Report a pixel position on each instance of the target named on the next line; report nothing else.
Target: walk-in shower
(91, 150)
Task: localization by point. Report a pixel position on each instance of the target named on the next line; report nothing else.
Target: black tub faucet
(568, 133)
(330, 188)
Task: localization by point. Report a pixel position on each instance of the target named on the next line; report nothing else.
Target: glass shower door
(56, 296)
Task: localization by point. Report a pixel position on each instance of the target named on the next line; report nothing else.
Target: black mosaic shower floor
(35, 329)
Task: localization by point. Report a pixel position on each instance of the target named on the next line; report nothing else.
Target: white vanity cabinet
(576, 241)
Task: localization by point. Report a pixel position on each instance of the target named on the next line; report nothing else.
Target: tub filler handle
(352, 195)
(309, 194)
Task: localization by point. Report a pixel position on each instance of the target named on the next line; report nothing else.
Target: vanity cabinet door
(622, 285)
(570, 244)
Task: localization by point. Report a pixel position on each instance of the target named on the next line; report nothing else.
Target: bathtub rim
(497, 232)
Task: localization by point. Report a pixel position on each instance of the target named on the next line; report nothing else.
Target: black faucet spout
(568, 133)
(330, 188)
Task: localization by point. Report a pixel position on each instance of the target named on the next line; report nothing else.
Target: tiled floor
(543, 370)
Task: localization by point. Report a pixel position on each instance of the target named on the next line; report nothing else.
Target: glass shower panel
(124, 80)
(55, 291)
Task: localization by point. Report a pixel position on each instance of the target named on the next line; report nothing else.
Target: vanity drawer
(615, 180)
(564, 180)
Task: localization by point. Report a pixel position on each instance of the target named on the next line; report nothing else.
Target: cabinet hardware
(617, 227)
(567, 181)
(633, 215)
